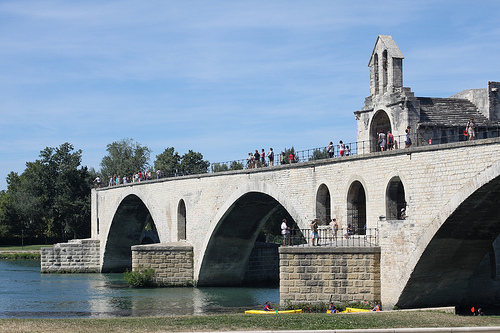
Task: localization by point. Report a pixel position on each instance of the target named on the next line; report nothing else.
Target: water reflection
(25, 292)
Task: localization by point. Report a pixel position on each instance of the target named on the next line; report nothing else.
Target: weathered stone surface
(172, 262)
(78, 256)
(317, 286)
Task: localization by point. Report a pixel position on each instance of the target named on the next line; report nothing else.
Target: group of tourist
(386, 141)
(137, 177)
(343, 149)
(257, 159)
(261, 159)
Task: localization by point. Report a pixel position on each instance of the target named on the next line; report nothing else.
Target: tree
(319, 154)
(51, 198)
(219, 167)
(235, 165)
(193, 163)
(124, 158)
(5, 220)
(169, 162)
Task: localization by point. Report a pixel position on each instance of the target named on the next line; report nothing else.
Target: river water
(26, 293)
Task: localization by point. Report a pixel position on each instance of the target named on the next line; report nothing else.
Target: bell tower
(386, 67)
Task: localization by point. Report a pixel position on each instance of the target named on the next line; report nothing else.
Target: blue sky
(220, 77)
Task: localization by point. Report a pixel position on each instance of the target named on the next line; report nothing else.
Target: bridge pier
(75, 256)
(172, 262)
(320, 274)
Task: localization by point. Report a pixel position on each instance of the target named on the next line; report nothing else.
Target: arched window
(181, 220)
(356, 207)
(323, 205)
(395, 199)
(376, 74)
(385, 66)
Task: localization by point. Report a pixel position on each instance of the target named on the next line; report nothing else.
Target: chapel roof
(388, 44)
(450, 112)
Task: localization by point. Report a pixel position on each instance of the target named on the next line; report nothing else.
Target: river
(26, 293)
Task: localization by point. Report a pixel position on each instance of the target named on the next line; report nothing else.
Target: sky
(222, 78)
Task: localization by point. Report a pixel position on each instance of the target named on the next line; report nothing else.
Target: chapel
(393, 107)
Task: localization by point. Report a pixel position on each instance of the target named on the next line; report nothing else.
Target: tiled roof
(450, 112)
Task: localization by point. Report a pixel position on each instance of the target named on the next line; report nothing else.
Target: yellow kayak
(354, 310)
(273, 311)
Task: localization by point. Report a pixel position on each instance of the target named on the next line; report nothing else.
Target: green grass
(25, 248)
(240, 322)
(20, 252)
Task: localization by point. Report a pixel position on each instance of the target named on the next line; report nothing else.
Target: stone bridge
(450, 191)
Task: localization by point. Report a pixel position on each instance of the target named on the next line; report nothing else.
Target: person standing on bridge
(407, 137)
(263, 157)
(331, 149)
(390, 141)
(314, 233)
(256, 157)
(381, 140)
(270, 156)
(471, 129)
(285, 231)
(335, 229)
(341, 148)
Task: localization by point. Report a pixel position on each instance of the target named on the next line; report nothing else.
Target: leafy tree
(219, 167)
(193, 163)
(319, 154)
(287, 152)
(235, 165)
(169, 162)
(124, 158)
(5, 211)
(51, 198)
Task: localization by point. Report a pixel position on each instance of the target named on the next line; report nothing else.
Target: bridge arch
(132, 224)
(453, 245)
(234, 230)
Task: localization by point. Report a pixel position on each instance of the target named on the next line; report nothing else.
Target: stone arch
(234, 231)
(181, 220)
(356, 207)
(129, 227)
(395, 199)
(380, 121)
(453, 245)
(323, 205)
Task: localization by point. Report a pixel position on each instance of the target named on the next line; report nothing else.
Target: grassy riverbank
(21, 252)
(242, 322)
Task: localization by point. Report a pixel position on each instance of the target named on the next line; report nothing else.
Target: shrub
(20, 255)
(139, 279)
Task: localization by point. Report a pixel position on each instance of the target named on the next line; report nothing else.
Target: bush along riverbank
(20, 255)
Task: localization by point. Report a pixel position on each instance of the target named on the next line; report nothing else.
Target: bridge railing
(362, 237)
(354, 148)
(320, 153)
